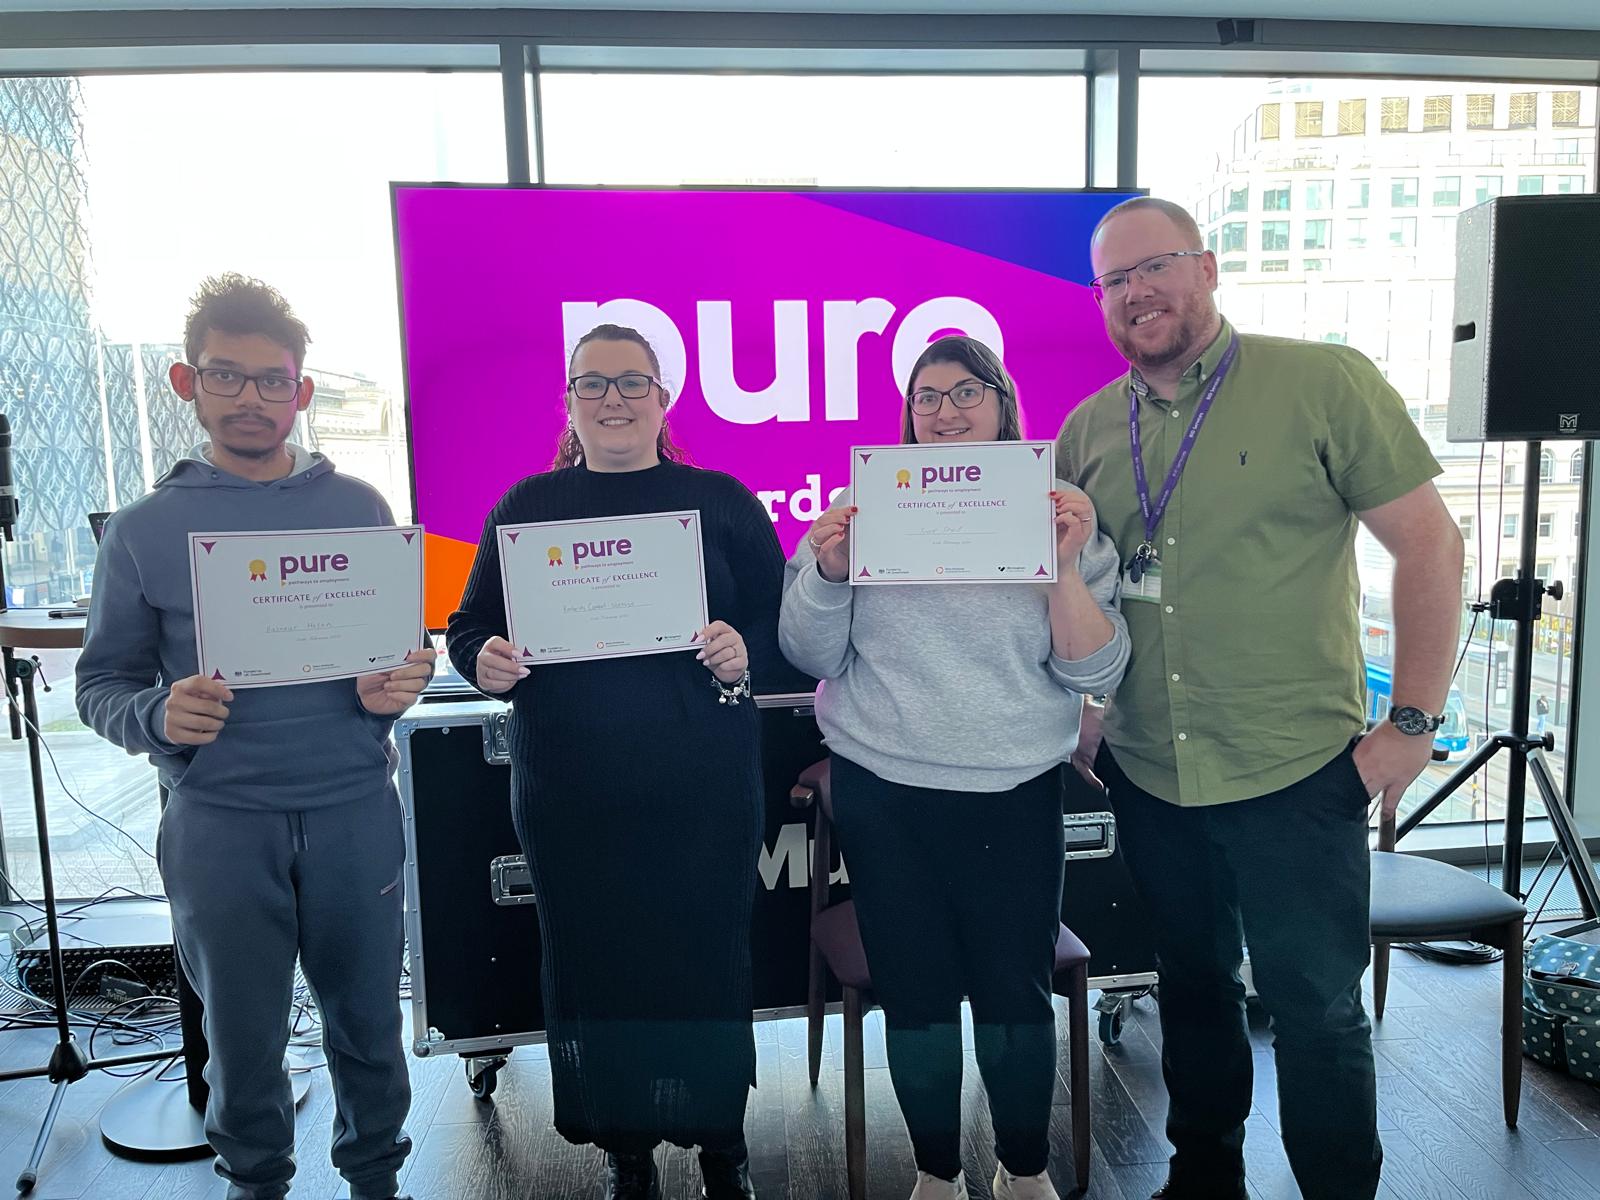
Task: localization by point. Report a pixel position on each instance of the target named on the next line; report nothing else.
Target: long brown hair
(569, 450)
(985, 366)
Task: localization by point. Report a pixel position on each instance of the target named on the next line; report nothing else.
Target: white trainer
(1023, 1187)
(931, 1187)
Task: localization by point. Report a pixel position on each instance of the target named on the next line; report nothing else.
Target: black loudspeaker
(1526, 310)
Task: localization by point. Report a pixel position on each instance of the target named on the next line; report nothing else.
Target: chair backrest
(813, 790)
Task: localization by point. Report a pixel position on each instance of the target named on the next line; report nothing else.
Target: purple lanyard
(1153, 514)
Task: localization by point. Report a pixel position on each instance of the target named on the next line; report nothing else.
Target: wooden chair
(1419, 899)
(836, 948)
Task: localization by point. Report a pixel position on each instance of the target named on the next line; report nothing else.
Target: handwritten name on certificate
(968, 512)
(305, 605)
(603, 588)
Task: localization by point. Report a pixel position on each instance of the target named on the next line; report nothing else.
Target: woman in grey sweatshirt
(949, 710)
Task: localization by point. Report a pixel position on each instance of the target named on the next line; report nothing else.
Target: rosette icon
(555, 556)
(258, 570)
(902, 478)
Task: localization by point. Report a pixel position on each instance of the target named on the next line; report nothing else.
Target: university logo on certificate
(608, 587)
(306, 605)
(967, 512)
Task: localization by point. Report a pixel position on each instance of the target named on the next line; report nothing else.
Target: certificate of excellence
(603, 588)
(306, 605)
(967, 512)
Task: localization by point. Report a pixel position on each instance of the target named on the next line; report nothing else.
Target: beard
(1185, 341)
(255, 452)
(220, 432)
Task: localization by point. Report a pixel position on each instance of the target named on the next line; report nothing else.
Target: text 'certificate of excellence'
(306, 605)
(603, 588)
(968, 512)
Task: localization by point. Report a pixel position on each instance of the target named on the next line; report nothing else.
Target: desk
(32, 629)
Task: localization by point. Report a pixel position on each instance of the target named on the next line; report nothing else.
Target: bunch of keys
(1140, 562)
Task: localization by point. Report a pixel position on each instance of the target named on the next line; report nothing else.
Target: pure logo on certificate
(967, 512)
(607, 587)
(305, 605)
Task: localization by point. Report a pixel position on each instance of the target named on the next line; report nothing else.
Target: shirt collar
(1199, 371)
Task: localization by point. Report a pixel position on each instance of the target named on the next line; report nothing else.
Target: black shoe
(725, 1175)
(632, 1177)
(1173, 1190)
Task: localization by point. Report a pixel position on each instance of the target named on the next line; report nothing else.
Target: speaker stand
(1518, 600)
(152, 1118)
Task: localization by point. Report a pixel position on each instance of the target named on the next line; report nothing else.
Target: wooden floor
(1438, 1097)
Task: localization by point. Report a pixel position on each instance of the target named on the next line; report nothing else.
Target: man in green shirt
(1230, 748)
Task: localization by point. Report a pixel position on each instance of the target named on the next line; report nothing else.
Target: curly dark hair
(234, 303)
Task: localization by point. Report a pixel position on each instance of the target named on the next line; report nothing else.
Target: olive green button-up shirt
(1247, 672)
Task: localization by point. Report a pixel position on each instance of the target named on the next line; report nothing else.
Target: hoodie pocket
(288, 762)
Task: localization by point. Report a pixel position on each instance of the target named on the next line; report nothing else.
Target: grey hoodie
(951, 686)
(303, 746)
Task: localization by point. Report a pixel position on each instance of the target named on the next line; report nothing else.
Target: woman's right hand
(499, 669)
(828, 538)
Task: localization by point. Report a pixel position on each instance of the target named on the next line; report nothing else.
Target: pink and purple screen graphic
(786, 324)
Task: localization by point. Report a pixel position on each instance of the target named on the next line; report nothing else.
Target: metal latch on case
(496, 739)
(1089, 835)
(510, 881)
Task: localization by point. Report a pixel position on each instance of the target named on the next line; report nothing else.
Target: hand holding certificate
(305, 605)
(969, 512)
(603, 588)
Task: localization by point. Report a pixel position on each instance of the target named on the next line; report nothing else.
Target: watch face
(1412, 720)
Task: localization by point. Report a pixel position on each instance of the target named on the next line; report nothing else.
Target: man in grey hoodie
(282, 835)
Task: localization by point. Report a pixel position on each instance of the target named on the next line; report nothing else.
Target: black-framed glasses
(228, 383)
(631, 385)
(1114, 283)
(966, 394)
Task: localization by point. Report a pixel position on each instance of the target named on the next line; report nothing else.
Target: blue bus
(1451, 737)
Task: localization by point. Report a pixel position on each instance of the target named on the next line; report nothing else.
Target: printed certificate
(603, 588)
(304, 605)
(968, 512)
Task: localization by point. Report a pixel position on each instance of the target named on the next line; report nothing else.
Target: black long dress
(637, 798)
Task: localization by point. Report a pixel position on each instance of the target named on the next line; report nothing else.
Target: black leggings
(959, 894)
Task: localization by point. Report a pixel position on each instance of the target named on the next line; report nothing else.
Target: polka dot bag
(1561, 1005)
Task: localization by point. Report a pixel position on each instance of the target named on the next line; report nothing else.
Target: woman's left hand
(1075, 525)
(723, 652)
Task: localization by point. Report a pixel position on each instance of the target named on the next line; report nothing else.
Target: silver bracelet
(729, 693)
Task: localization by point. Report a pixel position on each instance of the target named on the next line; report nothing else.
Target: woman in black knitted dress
(637, 794)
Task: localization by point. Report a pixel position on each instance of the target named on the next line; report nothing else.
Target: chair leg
(1380, 977)
(1511, 1023)
(1078, 1069)
(816, 988)
(855, 1097)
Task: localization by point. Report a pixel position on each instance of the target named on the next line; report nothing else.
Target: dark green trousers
(1285, 874)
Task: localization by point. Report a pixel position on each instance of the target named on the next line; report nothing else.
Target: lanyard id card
(1141, 579)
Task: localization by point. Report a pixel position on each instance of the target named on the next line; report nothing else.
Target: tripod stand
(68, 1062)
(1518, 600)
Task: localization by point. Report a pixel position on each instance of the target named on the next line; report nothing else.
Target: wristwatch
(1413, 720)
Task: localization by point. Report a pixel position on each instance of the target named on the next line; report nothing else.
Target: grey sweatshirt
(951, 686)
(304, 746)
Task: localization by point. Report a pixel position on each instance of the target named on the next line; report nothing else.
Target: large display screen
(786, 323)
